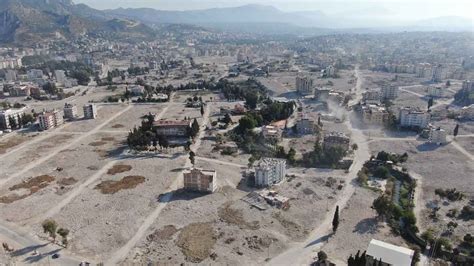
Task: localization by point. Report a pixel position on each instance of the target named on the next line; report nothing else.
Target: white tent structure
(391, 254)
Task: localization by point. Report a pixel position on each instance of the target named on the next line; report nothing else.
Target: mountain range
(31, 20)
(35, 20)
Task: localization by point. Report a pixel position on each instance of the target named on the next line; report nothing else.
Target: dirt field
(359, 225)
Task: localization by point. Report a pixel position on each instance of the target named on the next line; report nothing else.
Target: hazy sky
(395, 9)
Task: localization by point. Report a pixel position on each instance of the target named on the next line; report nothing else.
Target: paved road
(25, 245)
(301, 253)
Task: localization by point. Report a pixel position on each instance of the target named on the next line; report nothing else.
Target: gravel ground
(358, 226)
(79, 162)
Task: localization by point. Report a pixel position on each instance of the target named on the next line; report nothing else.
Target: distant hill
(35, 20)
(264, 17)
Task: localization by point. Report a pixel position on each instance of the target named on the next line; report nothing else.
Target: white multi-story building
(136, 90)
(389, 92)
(435, 91)
(70, 111)
(330, 71)
(34, 74)
(10, 75)
(269, 171)
(437, 73)
(10, 115)
(48, 120)
(60, 76)
(304, 85)
(90, 111)
(410, 117)
(437, 135)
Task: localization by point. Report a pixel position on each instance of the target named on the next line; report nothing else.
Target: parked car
(55, 256)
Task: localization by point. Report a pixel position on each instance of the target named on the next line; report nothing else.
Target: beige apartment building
(52, 119)
(200, 180)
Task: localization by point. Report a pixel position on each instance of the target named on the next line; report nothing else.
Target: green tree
(227, 119)
(383, 206)
(382, 172)
(335, 220)
(246, 123)
(194, 128)
(430, 103)
(49, 227)
(291, 156)
(13, 123)
(322, 256)
(192, 156)
(63, 233)
(251, 100)
(50, 88)
(354, 146)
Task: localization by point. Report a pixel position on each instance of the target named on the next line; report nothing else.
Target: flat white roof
(394, 255)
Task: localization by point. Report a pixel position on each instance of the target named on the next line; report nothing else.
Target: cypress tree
(335, 220)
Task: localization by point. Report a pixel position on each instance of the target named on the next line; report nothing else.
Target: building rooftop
(171, 123)
(394, 255)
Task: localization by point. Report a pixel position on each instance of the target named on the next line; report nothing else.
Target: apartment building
(372, 96)
(200, 180)
(52, 119)
(70, 111)
(269, 171)
(373, 114)
(171, 128)
(34, 74)
(304, 85)
(60, 76)
(90, 111)
(389, 92)
(435, 91)
(336, 140)
(271, 133)
(437, 73)
(10, 115)
(413, 117)
(437, 135)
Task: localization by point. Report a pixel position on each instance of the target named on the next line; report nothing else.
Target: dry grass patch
(112, 187)
(12, 198)
(197, 241)
(108, 139)
(34, 185)
(67, 181)
(97, 143)
(235, 217)
(119, 168)
(12, 142)
(162, 234)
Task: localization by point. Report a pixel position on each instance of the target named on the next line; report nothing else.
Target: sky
(394, 9)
